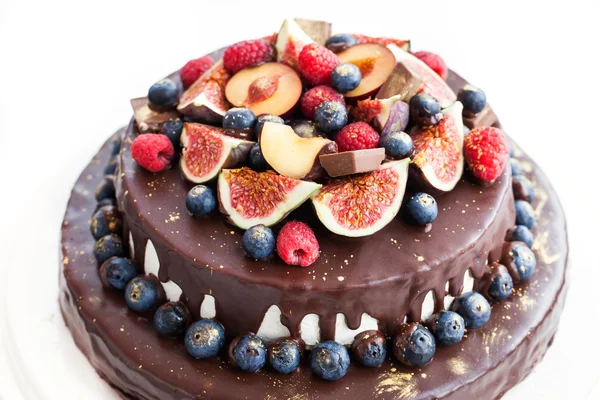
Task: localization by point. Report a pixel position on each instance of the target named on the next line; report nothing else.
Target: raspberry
(194, 70)
(486, 152)
(153, 151)
(316, 63)
(317, 95)
(434, 62)
(297, 244)
(247, 54)
(357, 136)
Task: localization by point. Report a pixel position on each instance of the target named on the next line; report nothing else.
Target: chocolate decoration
(319, 31)
(485, 118)
(352, 162)
(147, 119)
(402, 81)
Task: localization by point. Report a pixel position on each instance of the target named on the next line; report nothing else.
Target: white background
(68, 70)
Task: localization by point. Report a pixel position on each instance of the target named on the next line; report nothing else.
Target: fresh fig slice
(432, 83)
(207, 150)
(363, 204)
(205, 100)
(250, 198)
(439, 150)
(291, 39)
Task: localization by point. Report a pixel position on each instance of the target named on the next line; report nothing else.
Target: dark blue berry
(369, 348)
(284, 355)
(249, 353)
(204, 338)
(396, 144)
(116, 272)
(105, 202)
(421, 208)
(523, 260)
(516, 167)
(111, 167)
(345, 77)
(447, 327)
(239, 118)
(260, 121)
(519, 233)
(105, 190)
(171, 319)
(501, 285)
(524, 214)
(108, 246)
(414, 345)
(523, 189)
(330, 360)
(256, 160)
(258, 242)
(425, 110)
(172, 129)
(116, 147)
(331, 116)
(105, 221)
(306, 129)
(340, 42)
(200, 201)
(473, 100)
(474, 309)
(163, 93)
(141, 294)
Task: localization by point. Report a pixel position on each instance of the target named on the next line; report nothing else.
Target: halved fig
(290, 41)
(432, 83)
(363, 204)
(205, 99)
(439, 150)
(375, 112)
(207, 150)
(250, 198)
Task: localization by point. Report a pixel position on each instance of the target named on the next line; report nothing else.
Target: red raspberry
(297, 244)
(316, 63)
(486, 152)
(247, 54)
(434, 62)
(194, 70)
(153, 151)
(357, 136)
(315, 96)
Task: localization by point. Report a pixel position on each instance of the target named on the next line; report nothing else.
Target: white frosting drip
(207, 308)
(271, 327)
(448, 299)
(468, 282)
(345, 335)
(172, 290)
(152, 266)
(310, 332)
(428, 306)
(131, 248)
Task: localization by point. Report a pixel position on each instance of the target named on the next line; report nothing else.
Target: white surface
(80, 62)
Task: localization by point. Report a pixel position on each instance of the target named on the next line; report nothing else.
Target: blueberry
(523, 260)
(258, 242)
(284, 355)
(141, 294)
(524, 214)
(116, 147)
(171, 319)
(447, 327)
(474, 308)
(345, 77)
(116, 272)
(256, 160)
(105, 190)
(396, 144)
(414, 345)
(369, 348)
(200, 201)
(260, 121)
(105, 221)
(108, 246)
(111, 167)
(306, 128)
(239, 118)
(501, 285)
(516, 167)
(425, 110)
(249, 353)
(523, 189)
(473, 100)
(421, 208)
(519, 233)
(172, 129)
(163, 93)
(331, 116)
(204, 338)
(340, 42)
(105, 202)
(330, 360)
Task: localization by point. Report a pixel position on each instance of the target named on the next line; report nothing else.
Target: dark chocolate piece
(402, 81)
(484, 118)
(352, 162)
(319, 31)
(147, 119)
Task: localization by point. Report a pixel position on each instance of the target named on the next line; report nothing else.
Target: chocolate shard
(352, 162)
(319, 31)
(402, 81)
(147, 119)
(485, 118)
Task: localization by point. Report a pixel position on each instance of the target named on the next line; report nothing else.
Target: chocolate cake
(307, 216)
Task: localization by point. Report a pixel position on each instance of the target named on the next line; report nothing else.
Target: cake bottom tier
(126, 351)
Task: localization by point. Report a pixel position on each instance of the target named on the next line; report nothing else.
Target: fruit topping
(116, 272)
(519, 260)
(242, 194)
(270, 88)
(447, 327)
(111, 167)
(105, 221)
(331, 116)
(525, 215)
(172, 129)
(357, 136)
(194, 69)
(153, 152)
(483, 119)
(248, 353)
(306, 128)
(421, 208)
(523, 188)
(363, 204)
(486, 153)
(163, 94)
(204, 338)
(108, 246)
(260, 121)
(148, 120)
(383, 41)
(239, 118)
(397, 144)
(369, 348)
(171, 319)
(249, 53)
(200, 201)
(397, 119)
(256, 160)
(330, 360)
(141, 294)
(519, 233)
(105, 190)
(433, 61)
(425, 110)
(207, 150)
(403, 82)
(439, 150)
(284, 355)
(376, 112)
(413, 345)
(297, 244)
(352, 162)
(319, 31)
(291, 39)
(473, 100)
(340, 42)
(497, 284)
(316, 64)
(258, 242)
(205, 99)
(317, 95)
(474, 309)
(345, 77)
(516, 168)
(375, 63)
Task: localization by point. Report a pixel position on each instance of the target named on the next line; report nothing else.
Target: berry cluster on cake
(313, 216)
